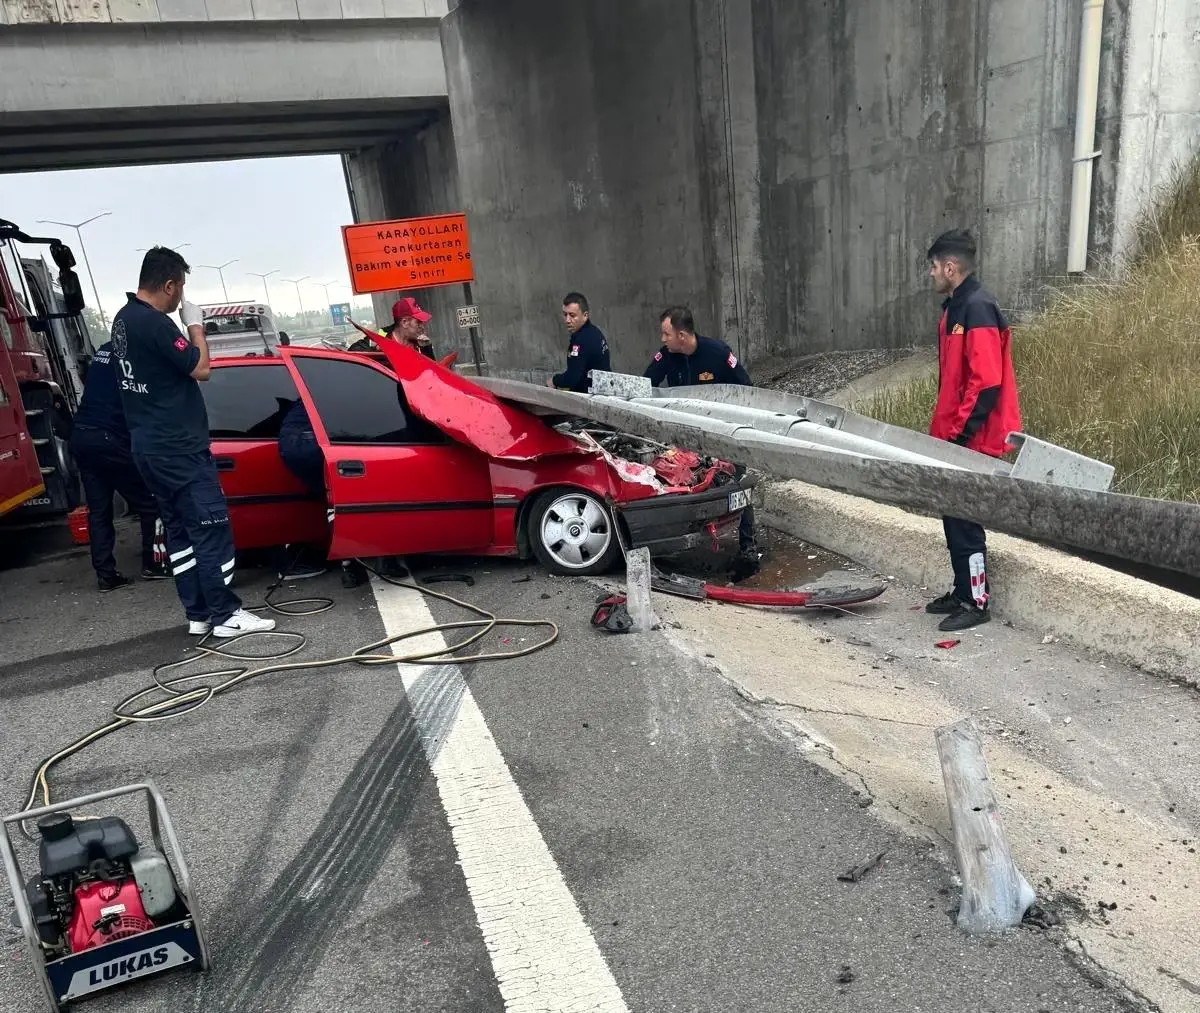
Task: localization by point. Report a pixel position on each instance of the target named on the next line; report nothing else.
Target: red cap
(407, 307)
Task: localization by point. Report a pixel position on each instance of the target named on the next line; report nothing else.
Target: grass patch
(1111, 368)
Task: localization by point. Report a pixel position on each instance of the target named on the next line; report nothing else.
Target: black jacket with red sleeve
(977, 402)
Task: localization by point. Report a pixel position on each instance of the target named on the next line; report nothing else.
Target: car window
(248, 402)
(358, 404)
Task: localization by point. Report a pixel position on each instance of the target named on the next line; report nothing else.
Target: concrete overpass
(82, 95)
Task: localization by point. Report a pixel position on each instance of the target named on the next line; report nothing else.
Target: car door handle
(224, 463)
(351, 469)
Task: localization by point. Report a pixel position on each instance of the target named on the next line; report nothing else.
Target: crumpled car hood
(468, 413)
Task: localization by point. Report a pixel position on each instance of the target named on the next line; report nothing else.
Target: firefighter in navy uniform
(977, 407)
(100, 446)
(168, 425)
(688, 359)
(587, 348)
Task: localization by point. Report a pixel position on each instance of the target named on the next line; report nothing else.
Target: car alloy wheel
(573, 533)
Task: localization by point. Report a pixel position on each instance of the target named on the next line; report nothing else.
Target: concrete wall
(881, 124)
(25, 12)
(784, 164)
(582, 161)
(1158, 113)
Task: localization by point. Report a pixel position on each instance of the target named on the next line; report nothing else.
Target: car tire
(573, 533)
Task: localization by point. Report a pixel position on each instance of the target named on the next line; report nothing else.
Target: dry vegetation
(1111, 368)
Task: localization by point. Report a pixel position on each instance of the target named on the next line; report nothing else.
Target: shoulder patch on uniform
(732, 361)
(658, 356)
(181, 344)
(958, 329)
(574, 351)
(706, 378)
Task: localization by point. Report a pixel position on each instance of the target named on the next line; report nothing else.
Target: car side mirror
(39, 325)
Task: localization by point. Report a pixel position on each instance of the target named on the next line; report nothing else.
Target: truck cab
(43, 350)
(240, 329)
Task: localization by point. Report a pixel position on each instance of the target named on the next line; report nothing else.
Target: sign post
(468, 319)
(413, 253)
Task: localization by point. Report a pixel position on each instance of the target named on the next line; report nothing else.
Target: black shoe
(159, 571)
(112, 583)
(354, 574)
(746, 564)
(967, 617)
(946, 605)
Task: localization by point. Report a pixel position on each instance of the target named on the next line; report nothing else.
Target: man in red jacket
(976, 408)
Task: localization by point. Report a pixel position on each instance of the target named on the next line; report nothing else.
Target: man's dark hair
(579, 299)
(159, 266)
(680, 317)
(957, 244)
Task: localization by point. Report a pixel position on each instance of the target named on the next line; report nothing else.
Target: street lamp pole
(299, 299)
(329, 302)
(220, 269)
(83, 250)
(256, 274)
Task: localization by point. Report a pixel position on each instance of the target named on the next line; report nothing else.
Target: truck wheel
(573, 533)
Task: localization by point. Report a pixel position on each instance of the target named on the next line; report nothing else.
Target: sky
(280, 214)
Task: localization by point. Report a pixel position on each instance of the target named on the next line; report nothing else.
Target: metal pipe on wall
(1086, 101)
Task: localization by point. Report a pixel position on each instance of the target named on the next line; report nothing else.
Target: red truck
(44, 347)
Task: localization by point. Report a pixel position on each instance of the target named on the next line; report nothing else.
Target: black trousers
(967, 542)
(106, 466)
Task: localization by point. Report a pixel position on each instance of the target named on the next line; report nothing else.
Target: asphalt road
(699, 845)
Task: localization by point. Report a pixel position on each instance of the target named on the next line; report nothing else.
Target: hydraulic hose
(185, 694)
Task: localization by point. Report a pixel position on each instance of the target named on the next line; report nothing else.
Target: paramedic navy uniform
(100, 445)
(977, 408)
(587, 349)
(713, 361)
(168, 425)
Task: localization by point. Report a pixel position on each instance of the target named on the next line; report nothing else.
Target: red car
(421, 460)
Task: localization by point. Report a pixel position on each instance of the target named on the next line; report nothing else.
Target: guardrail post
(637, 590)
(995, 895)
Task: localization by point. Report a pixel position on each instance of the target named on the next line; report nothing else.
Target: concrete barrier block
(318, 10)
(182, 10)
(241, 10)
(133, 10)
(1036, 588)
(32, 12)
(362, 8)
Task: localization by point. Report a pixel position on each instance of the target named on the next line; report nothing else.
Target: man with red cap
(408, 325)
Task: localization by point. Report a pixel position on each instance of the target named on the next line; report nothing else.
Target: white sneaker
(199, 628)
(243, 622)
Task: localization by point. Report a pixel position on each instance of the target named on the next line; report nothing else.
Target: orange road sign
(409, 253)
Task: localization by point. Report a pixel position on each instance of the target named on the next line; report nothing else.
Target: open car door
(397, 484)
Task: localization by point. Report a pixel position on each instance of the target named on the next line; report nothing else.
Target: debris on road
(855, 874)
(946, 645)
(845, 975)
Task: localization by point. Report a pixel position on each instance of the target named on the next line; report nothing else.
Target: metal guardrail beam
(1157, 533)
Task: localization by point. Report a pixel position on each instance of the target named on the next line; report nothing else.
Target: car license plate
(739, 500)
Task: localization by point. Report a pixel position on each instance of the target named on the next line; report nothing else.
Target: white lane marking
(545, 957)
